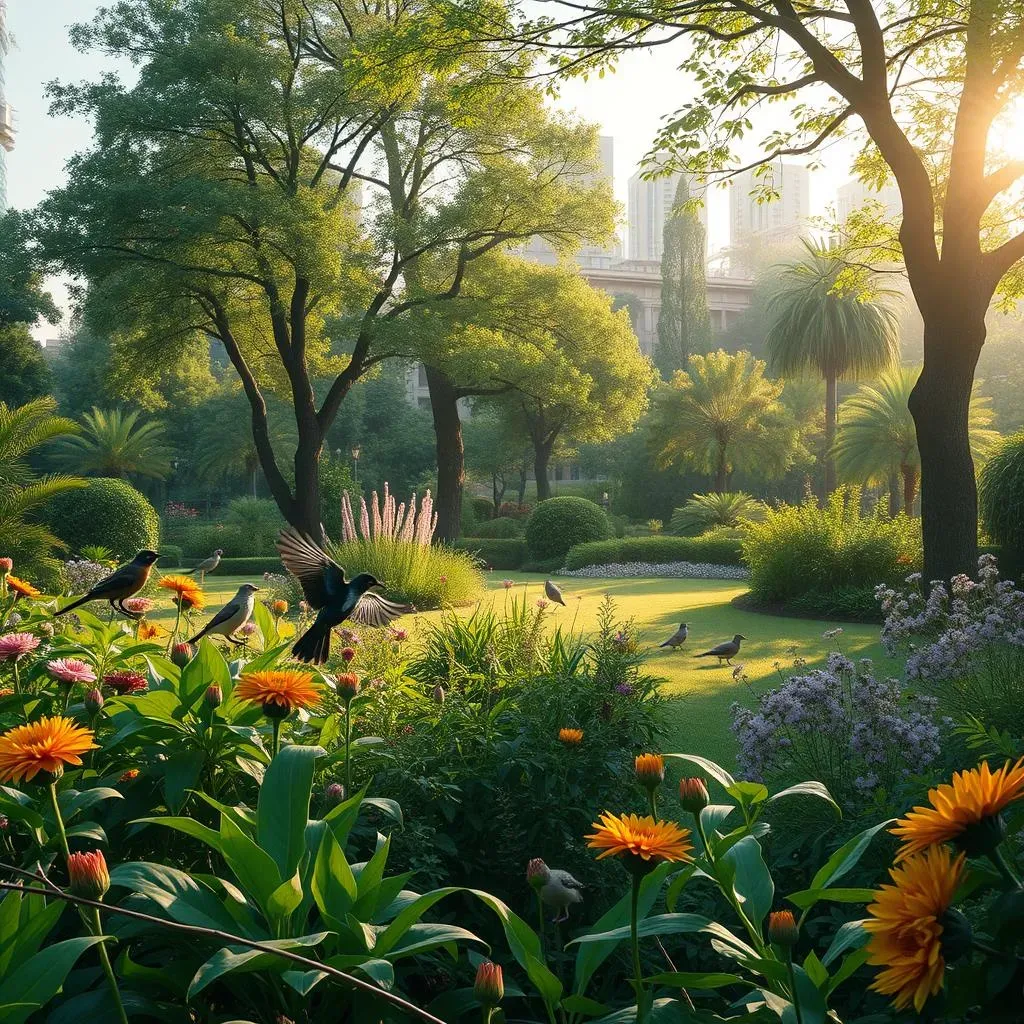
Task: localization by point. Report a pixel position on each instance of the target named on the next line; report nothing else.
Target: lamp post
(355, 463)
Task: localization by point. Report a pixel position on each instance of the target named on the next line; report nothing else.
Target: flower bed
(680, 570)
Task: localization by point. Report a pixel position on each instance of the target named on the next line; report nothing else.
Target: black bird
(725, 651)
(335, 598)
(121, 584)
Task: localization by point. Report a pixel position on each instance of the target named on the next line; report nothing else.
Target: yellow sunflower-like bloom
(974, 799)
(640, 837)
(149, 630)
(42, 746)
(22, 588)
(650, 770)
(906, 926)
(571, 737)
(280, 691)
(184, 588)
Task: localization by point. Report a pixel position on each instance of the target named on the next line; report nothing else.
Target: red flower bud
(214, 696)
(347, 654)
(693, 795)
(182, 654)
(537, 873)
(334, 794)
(93, 702)
(489, 988)
(347, 685)
(782, 929)
(6, 565)
(88, 875)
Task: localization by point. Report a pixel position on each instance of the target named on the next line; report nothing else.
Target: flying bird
(726, 651)
(335, 598)
(207, 565)
(560, 890)
(233, 616)
(554, 594)
(121, 584)
(678, 638)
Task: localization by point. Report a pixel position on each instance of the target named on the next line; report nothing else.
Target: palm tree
(706, 511)
(831, 320)
(721, 414)
(115, 444)
(23, 538)
(877, 441)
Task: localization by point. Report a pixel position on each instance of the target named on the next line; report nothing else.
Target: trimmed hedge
(108, 512)
(247, 567)
(558, 524)
(171, 556)
(497, 552)
(494, 529)
(709, 550)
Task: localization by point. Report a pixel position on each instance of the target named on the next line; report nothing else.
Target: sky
(628, 106)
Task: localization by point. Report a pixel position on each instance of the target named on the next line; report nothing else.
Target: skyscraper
(650, 205)
(778, 220)
(6, 113)
(855, 194)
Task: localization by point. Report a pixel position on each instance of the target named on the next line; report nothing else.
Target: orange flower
(186, 591)
(571, 737)
(22, 588)
(782, 928)
(279, 691)
(88, 876)
(964, 813)
(641, 837)
(149, 630)
(650, 770)
(907, 925)
(42, 746)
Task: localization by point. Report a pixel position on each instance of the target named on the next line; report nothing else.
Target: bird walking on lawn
(335, 598)
(207, 565)
(678, 638)
(121, 584)
(726, 651)
(554, 594)
(233, 616)
(560, 890)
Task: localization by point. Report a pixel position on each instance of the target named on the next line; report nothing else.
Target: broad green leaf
(748, 793)
(751, 880)
(716, 772)
(808, 897)
(697, 980)
(713, 815)
(846, 857)
(189, 826)
(268, 659)
(423, 938)
(283, 808)
(388, 807)
(283, 900)
(333, 886)
(72, 801)
(815, 970)
(303, 982)
(206, 668)
(181, 774)
(23, 931)
(583, 1005)
(19, 808)
(254, 868)
(177, 892)
(853, 963)
(376, 970)
(662, 1010)
(815, 789)
(368, 882)
(265, 623)
(41, 977)
(660, 924)
(849, 936)
(676, 886)
(238, 958)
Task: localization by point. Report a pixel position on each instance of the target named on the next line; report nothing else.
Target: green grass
(700, 722)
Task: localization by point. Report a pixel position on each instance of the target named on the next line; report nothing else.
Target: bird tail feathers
(314, 645)
(73, 605)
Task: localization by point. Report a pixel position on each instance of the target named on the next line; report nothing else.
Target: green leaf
(423, 938)
(333, 885)
(850, 936)
(254, 868)
(751, 880)
(846, 857)
(176, 892)
(390, 808)
(713, 815)
(181, 773)
(24, 925)
(269, 658)
(746, 794)
(677, 885)
(71, 801)
(284, 899)
(583, 1005)
(19, 808)
(189, 826)
(660, 924)
(815, 789)
(237, 958)
(265, 622)
(283, 807)
(716, 772)
(205, 669)
(41, 977)
(697, 979)
(853, 963)
(815, 969)
(808, 897)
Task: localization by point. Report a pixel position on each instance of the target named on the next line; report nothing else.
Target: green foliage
(708, 549)
(108, 512)
(502, 528)
(483, 510)
(26, 373)
(22, 299)
(246, 566)
(1001, 493)
(705, 511)
(171, 555)
(495, 552)
(558, 524)
(115, 444)
(799, 551)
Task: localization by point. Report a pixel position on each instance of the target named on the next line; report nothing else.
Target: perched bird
(335, 598)
(554, 594)
(207, 565)
(723, 652)
(121, 584)
(233, 616)
(678, 638)
(560, 890)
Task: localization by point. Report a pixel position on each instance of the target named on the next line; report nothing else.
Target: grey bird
(560, 890)
(554, 594)
(233, 616)
(207, 565)
(724, 652)
(678, 638)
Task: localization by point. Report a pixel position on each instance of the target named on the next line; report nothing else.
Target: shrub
(498, 528)
(558, 524)
(483, 509)
(108, 512)
(498, 553)
(201, 539)
(1001, 494)
(706, 511)
(171, 555)
(514, 510)
(803, 551)
(256, 518)
(254, 567)
(707, 550)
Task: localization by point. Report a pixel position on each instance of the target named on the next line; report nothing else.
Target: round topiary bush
(1001, 494)
(557, 524)
(108, 512)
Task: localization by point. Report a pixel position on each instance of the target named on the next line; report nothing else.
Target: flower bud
(88, 875)
(347, 654)
(214, 696)
(650, 771)
(334, 794)
(182, 654)
(129, 776)
(782, 929)
(489, 988)
(347, 685)
(5, 823)
(439, 694)
(280, 607)
(45, 629)
(570, 737)
(6, 565)
(537, 873)
(93, 702)
(693, 795)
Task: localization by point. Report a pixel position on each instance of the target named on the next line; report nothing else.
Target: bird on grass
(678, 638)
(560, 890)
(725, 651)
(335, 598)
(121, 584)
(233, 616)
(207, 565)
(554, 594)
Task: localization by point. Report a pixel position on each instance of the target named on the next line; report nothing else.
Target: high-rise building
(779, 219)
(649, 207)
(6, 113)
(854, 194)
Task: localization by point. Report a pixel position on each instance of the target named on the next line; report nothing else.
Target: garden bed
(674, 570)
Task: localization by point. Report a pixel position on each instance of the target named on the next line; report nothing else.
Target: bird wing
(115, 583)
(229, 611)
(315, 570)
(725, 648)
(374, 610)
(565, 879)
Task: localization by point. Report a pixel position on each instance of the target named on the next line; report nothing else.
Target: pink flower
(541, 603)
(348, 637)
(6, 565)
(508, 584)
(247, 628)
(399, 635)
(126, 683)
(71, 671)
(347, 654)
(16, 645)
(139, 605)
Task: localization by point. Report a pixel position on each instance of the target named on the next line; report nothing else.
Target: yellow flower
(964, 812)
(279, 691)
(186, 590)
(641, 837)
(149, 630)
(906, 926)
(22, 588)
(571, 737)
(42, 746)
(650, 770)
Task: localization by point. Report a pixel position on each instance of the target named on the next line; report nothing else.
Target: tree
(684, 324)
(932, 87)
(703, 512)
(24, 372)
(877, 442)
(721, 414)
(115, 444)
(22, 299)
(497, 451)
(835, 328)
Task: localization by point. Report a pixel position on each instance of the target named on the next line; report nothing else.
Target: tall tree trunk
(498, 492)
(940, 405)
(831, 408)
(721, 475)
(894, 495)
(451, 454)
(541, 460)
(909, 488)
(522, 485)
(305, 515)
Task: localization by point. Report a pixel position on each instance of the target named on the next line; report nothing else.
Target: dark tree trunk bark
(940, 404)
(909, 488)
(894, 495)
(451, 456)
(541, 460)
(721, 476)
(305, 515)
(522, 486)
(831, 408)
(497, 492)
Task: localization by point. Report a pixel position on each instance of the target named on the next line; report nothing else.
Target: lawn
(700, 721)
